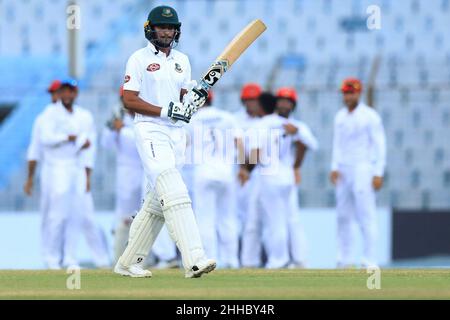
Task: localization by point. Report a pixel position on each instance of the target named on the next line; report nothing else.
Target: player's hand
(377, 182)
(196, 95)
(243, 176)
(178, 111)
(72, 138)
(334, 177)
(28, 187)
(297, 176)
(117, 124)
(290, 129)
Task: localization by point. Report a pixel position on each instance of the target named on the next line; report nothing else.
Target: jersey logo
(153, 67)
(127, 78)
(178, 68)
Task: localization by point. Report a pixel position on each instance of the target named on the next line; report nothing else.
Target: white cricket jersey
(245, 124)
(359, 139)
(158, 79)
(57, 124)
(276, 149)
(212, 138)
(123, 142)
(34, 151)
(304, 134)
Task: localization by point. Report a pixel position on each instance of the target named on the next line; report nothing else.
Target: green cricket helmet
(162, 15)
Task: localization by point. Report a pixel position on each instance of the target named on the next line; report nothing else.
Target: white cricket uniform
(35, 153)
(212, 132)
(359, 154)
(251, 248)
(276, 180)
(70, 208)
(129, 177)
(161, 145)
(297, 239)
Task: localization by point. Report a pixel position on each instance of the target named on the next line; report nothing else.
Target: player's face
(252, 107)
(165, 33)
(68, 96)
(55, 96)
(351, 99)
(284, 107)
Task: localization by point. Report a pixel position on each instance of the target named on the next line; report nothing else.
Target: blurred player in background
(119, 136)
(34, 155)
(246, 187)
(212, 132)
(286, 102)
(66, 135)
(161, 143)
(358, 163)
(272, 151)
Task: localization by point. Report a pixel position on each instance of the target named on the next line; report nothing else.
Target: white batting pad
(180, 221)
(143, 231)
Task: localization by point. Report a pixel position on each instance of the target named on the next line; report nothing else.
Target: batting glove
(178, 111)
(196, 95)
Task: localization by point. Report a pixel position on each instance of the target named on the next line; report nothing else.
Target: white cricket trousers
(297, 238)
(128, 201)
(274, 200)
(215, 209)
(251, 230)
(93, 233)
(162, 148)
(267, 223)
(355, 200)
(65, 202)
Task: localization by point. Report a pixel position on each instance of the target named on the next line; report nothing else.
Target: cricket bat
(231, 53)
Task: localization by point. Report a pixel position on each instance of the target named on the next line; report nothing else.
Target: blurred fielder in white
(358, 163)
(271, 149)
(247, 183)
(212, 132)
(286, 102)
(67, 138)
(119, 136)
(34, 155)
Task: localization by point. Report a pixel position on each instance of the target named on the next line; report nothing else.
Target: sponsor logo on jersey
(153, 67)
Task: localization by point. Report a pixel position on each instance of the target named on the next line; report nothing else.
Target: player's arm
(334, 175)
(33, 155)
(300, 151)
(28, 187)
(379, 143)
(134, 103)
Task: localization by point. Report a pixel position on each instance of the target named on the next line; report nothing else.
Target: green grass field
(229, 284)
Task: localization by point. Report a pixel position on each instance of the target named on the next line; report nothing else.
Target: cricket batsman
(157, 77)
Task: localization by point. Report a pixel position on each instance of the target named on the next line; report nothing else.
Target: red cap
(121, 91)
(55, 85)
(250, 91)
(288, 93)
(351, 85)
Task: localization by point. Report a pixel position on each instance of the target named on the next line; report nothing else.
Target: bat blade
(232, 52)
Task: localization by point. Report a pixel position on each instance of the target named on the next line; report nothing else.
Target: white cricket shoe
(200, 268)
(134, 271)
